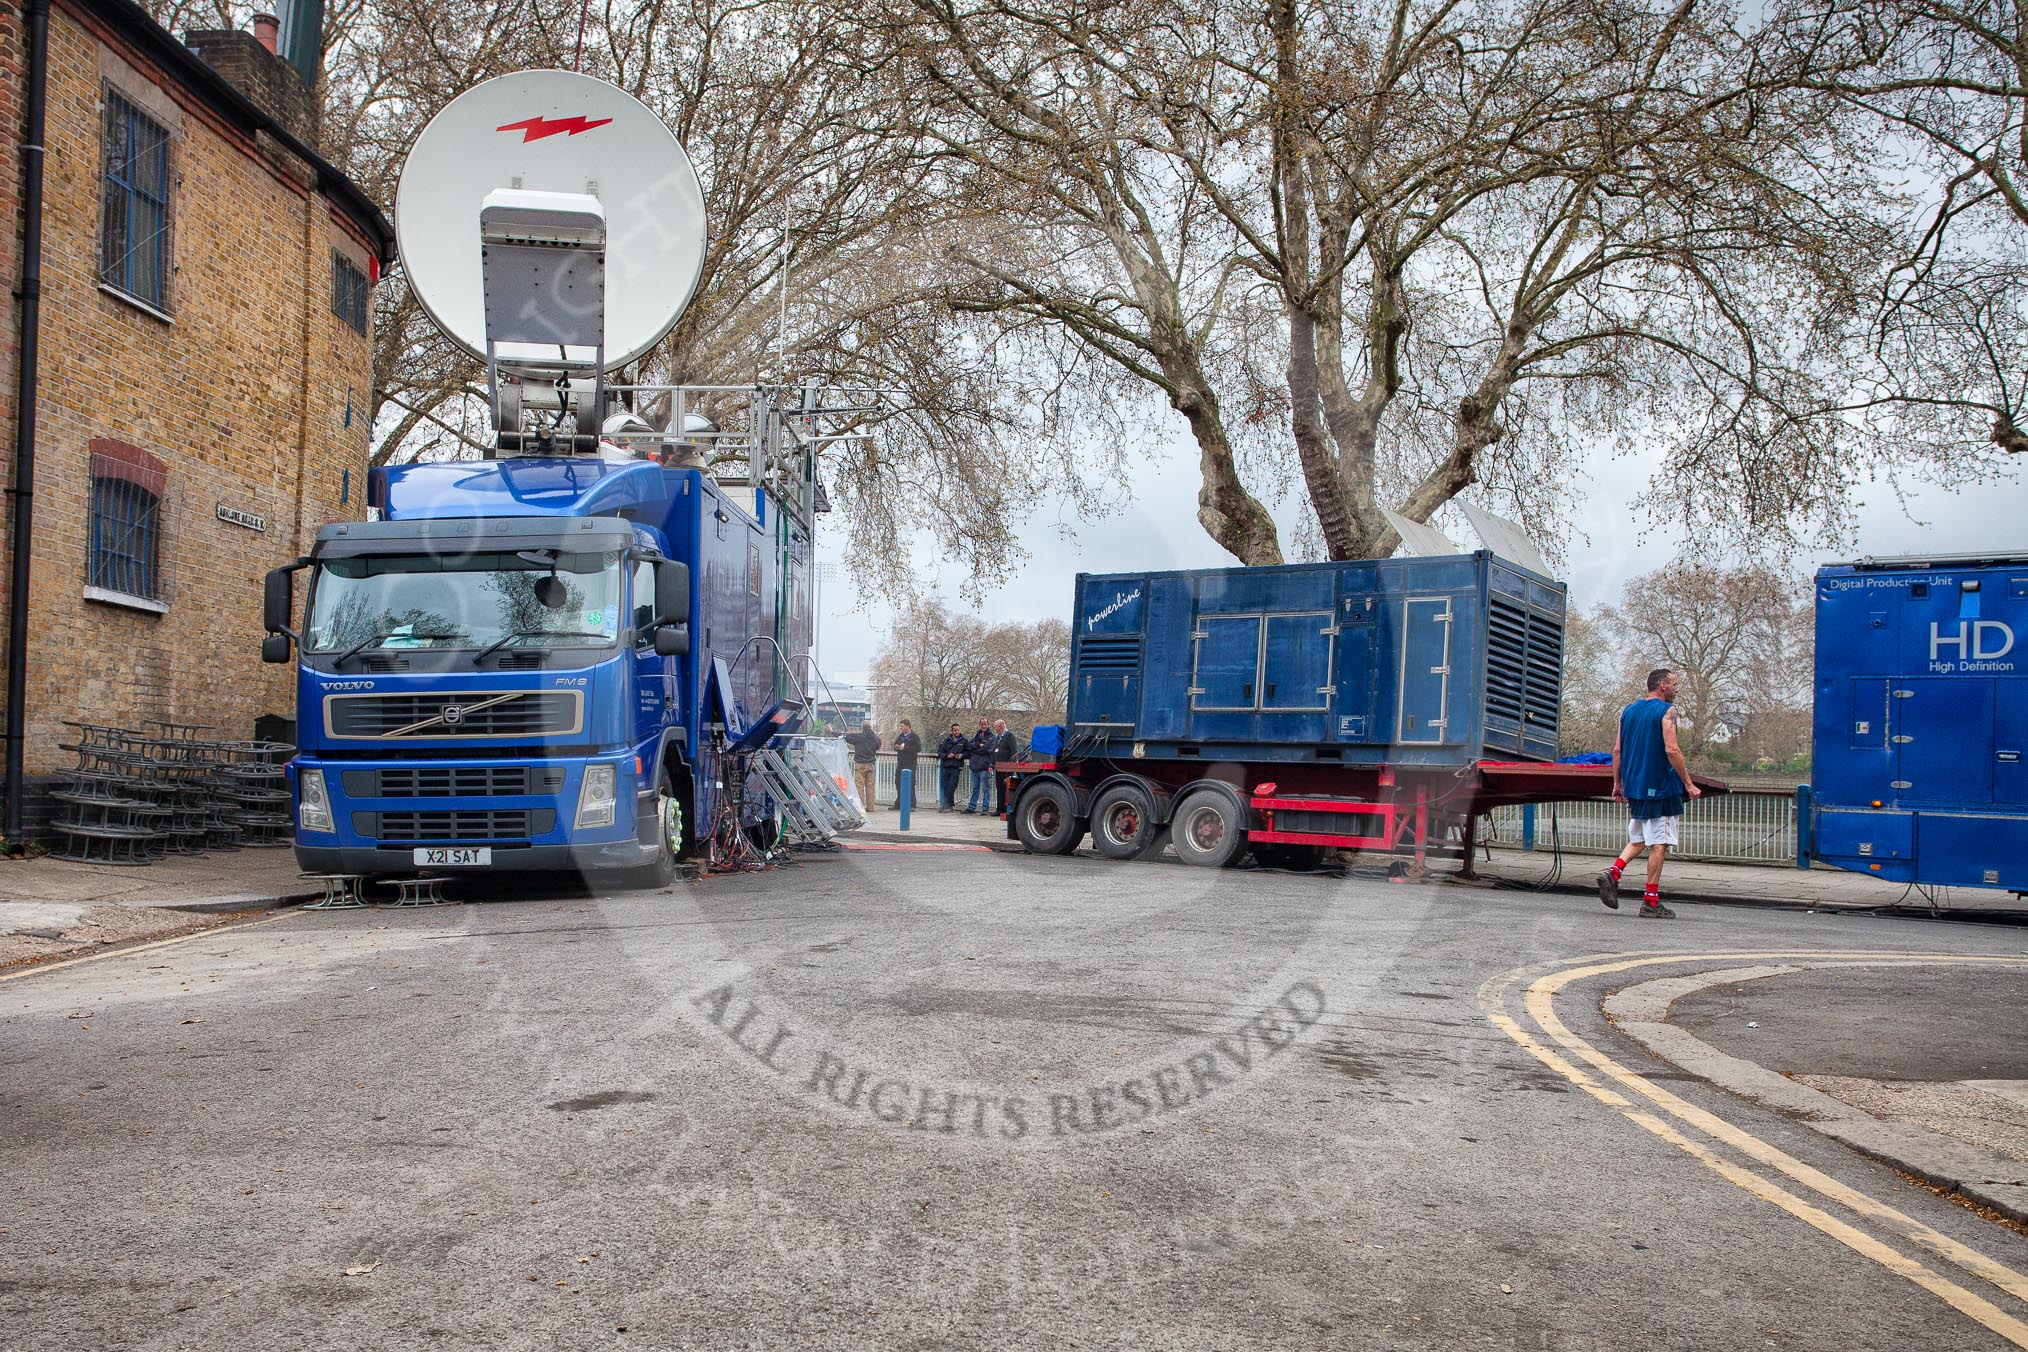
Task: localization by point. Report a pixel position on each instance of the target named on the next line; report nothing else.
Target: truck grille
(510, 824)
(454, 781)
(467, 713)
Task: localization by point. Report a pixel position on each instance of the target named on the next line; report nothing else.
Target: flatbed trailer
(1411, 813)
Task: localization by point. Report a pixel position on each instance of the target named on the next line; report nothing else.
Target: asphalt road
(933, 1099)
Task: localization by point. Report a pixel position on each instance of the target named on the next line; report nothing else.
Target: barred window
(125, 537)
(134, 204)
(348, 292)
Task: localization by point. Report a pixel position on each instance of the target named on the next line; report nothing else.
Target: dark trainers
(1609, 889)
(1655, 910)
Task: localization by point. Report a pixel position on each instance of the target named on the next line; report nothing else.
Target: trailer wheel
(1045, 818)
(1123, 823)
(1207, 830)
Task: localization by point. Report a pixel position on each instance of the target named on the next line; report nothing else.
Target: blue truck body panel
(516, 789)
(1412, 661)
(1921, 721)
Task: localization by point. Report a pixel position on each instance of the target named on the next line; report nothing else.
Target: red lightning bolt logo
(535, 128)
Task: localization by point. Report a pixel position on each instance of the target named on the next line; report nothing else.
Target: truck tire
(668, 829)
(1045, 819)
(1123, 822)
(1207, 829)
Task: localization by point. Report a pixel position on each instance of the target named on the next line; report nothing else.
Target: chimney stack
(268, 29)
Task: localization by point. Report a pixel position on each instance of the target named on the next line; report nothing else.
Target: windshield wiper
(377, 639)
(519, 634)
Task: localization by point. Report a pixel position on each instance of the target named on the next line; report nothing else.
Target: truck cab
(522, 665)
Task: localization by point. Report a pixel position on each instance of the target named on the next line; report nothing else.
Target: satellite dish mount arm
(543, 257)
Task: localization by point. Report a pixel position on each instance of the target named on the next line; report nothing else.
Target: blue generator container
(1922, 720)
(1412, 662)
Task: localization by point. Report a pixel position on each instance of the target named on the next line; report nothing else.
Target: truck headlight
(597, 795)
(315, 812)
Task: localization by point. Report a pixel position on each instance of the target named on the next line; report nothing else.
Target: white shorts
(1653, 830)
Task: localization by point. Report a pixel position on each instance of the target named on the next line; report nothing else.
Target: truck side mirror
(278, 598)
(672, 640)
(275, 648)
(672, 593)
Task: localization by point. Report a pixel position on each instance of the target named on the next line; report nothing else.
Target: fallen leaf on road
(190, 1021)
(1506, 1290)
(361, 1269)
(81, 1014)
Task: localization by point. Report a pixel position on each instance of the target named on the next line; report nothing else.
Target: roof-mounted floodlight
(553, 228)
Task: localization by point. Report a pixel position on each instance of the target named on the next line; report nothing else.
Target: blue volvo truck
(535, 663)
(1921, 721)
(1372, 705)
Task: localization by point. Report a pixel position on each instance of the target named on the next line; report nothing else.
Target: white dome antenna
(553, 227)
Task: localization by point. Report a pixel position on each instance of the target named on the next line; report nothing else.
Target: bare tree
(1034, 658)
(1938, 93)
(1739, 641)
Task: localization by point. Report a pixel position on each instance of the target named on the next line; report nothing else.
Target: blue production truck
(578, 652)
(1921, 721)
(534, 663)
(1372, 705)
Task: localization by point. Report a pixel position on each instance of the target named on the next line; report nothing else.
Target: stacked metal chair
(134, 797)
(110, 806)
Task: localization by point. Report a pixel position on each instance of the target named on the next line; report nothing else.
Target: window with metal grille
(126, 537)
(134, 204)
(348, 292)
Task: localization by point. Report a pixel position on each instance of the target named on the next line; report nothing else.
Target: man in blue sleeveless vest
(1652, 779)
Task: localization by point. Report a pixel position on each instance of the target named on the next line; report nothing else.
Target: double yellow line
(1538, 1005)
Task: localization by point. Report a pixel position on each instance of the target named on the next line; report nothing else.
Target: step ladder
(814, 810)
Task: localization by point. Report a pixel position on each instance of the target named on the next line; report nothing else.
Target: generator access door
(1424, 712)
(1941, 729)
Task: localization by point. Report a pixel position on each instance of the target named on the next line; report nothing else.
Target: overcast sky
(1158, 529)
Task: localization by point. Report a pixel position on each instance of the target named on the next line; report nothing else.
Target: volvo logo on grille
(454, 714)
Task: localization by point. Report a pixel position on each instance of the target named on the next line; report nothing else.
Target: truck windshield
(533, 598)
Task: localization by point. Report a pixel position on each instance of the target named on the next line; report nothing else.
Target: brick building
(204, 374)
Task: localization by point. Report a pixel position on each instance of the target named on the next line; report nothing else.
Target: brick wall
(258, 73)
(241, 392)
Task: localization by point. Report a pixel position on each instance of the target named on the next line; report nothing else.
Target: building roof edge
(136, 24)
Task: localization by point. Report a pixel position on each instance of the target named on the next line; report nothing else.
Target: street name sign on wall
(251, 520)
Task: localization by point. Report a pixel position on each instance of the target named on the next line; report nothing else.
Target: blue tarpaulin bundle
(1046, 740)
(1587, 758)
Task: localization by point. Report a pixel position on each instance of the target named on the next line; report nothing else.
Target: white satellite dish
(529, 150)
(1419, 537)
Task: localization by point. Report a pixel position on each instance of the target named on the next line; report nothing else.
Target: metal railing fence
(1756, 827)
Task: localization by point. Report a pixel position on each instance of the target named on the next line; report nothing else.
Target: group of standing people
(991, 744)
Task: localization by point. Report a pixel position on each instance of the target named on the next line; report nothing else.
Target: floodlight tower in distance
(553, 227)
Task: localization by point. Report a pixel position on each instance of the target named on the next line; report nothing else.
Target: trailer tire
(1045, 818)
(1208, 829)
(1123, 823)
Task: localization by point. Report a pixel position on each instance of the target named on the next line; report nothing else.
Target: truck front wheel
(668, 833)
(1207, 830)
(1045, 818)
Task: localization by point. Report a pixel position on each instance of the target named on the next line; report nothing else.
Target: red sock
(1652, 897)
(1619, 867)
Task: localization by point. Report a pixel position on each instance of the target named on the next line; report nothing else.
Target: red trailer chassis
(1402, 810)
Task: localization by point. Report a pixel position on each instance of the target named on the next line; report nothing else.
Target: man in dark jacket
(980, 753)
(907, 746)
(864, 741)
(951, 754)
(1004, 749)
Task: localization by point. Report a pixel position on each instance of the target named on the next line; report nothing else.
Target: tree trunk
(1229, 514)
